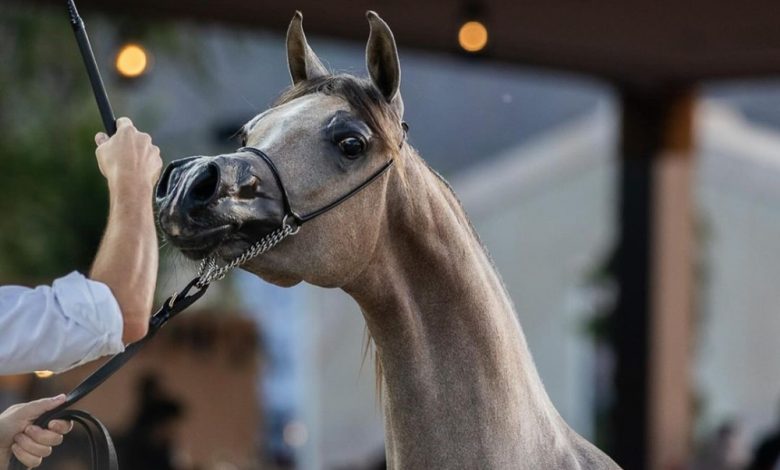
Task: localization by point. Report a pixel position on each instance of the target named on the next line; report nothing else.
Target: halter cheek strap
(289, 212)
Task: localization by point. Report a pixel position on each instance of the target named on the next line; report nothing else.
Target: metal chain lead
(209, 271)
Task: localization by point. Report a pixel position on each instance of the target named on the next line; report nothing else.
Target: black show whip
(106, 113)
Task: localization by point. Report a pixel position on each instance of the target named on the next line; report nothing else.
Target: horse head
(328, 139)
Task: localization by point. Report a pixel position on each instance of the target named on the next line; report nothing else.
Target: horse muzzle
(206, 202)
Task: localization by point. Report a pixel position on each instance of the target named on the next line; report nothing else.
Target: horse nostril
(206, 185)
(170, 177)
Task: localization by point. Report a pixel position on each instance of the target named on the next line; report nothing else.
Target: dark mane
(361, 95)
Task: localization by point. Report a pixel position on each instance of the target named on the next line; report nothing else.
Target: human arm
(76, 320)
(128, 255)
(27, 442)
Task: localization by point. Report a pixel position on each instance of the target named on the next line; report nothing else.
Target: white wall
(545, 213)
(738, 191)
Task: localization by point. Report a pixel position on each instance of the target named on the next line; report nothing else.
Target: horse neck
(453, 356)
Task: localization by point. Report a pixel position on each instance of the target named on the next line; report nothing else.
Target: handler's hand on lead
(128, 158)
(29, 443)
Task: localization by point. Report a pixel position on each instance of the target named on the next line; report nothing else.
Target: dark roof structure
(628, 42)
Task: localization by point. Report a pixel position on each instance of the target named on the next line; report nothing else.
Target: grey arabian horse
(460, 389)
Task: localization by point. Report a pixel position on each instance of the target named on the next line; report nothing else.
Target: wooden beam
(652, 330)
(671, 326)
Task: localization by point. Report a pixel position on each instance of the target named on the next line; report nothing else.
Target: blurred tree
(53, 199)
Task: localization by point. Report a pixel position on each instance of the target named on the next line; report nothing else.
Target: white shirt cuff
(91, 305)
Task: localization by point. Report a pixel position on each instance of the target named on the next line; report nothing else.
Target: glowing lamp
(473, 36)
(132, 61)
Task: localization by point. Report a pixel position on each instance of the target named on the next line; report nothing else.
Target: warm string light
(473, 36)
(132, 61)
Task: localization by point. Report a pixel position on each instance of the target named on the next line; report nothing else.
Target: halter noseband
(289, 212)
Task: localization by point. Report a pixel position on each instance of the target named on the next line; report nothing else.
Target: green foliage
(53, 200)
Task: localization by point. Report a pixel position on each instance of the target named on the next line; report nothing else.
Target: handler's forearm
(128, 256)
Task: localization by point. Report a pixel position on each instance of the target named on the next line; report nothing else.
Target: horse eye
(351, 147)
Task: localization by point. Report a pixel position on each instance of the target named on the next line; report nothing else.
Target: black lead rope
(102, 447)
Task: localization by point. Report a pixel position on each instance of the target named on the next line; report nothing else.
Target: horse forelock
(363, 97)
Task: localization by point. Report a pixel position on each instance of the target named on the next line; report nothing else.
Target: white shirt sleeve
(57, 327)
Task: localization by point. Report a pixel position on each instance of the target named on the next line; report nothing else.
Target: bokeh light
(132, 61)
(295, 434)
(473, 36)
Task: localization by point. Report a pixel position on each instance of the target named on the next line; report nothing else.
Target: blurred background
(621, 163)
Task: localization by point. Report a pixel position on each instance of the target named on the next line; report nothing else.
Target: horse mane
(370, 105)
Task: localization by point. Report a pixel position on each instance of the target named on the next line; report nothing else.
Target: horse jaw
(272, 276)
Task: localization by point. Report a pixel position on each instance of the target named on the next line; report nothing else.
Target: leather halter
(291, 222)
(289, 212)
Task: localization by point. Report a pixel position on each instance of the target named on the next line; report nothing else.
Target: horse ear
(382, 62)
(303, 62)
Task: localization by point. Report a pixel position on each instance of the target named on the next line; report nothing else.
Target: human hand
(29, 443)
(128, 159)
